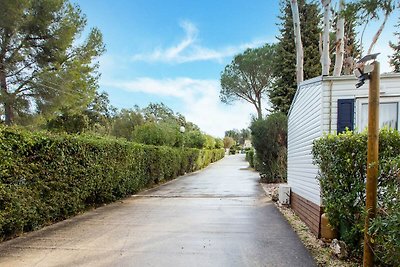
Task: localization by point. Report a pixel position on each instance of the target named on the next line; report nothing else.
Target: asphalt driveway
(216, 217)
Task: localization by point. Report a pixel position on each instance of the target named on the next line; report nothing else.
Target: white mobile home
(326, 105)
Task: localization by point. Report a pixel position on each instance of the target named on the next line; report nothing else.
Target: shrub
(269, 138)
(250, 157)
(219, 143)
(210, 142)
(385, 228)
(195, 139)
(158, 134)
(342, 162)
(45, 178)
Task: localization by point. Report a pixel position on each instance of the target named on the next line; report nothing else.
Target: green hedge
(269, 139)
(46, 178)
(250, 157)
(342, 162)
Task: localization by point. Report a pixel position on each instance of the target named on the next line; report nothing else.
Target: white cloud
(189, 49)
(200, 101)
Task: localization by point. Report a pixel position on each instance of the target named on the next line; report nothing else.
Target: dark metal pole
(372, 161)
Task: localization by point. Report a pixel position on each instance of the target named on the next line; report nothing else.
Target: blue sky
(173, 51)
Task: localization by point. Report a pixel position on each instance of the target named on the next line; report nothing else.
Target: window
(388, 115)
(345, 113)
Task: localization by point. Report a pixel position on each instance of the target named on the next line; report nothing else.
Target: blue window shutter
(345, 114)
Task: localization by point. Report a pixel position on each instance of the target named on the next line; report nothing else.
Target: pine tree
(395, 58)
(284, 88)
(40, 63)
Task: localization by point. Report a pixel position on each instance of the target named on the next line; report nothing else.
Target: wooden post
(372, 161)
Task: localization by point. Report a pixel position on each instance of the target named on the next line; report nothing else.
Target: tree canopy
(41, 66)
(248, 76)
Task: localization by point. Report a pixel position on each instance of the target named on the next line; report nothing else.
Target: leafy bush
(46, 178)
(250, 157)
(269, 138)
(195, 139)
(219, 143)
(210, 142)
(385, 228)
(158, 134)
(342, 160)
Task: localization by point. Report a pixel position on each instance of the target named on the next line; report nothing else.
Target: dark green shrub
(342, 162)
(45, 178)
(250, 157)
(269, 139)
(232, 151)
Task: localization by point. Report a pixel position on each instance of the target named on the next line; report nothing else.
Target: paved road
(216, 217)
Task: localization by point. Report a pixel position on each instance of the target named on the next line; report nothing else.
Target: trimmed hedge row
(46, 178)
(342, 160)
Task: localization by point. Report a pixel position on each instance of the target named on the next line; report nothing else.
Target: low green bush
(250, 157)
(45, 178)
(342, 162)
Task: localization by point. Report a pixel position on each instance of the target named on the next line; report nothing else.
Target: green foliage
(269, 138)
(219, 143)
(40, 60)
(342, 162)
(69, 123)
(248, 76)
(194, 139)
(239, 135)
(125, 121)
(158, 134)
(250, 157)
(96, 117)
(284, 87)
(395, 58)
(210, 142)
(46, 178)
(385, 227)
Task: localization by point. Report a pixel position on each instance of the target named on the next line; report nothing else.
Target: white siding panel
(344, 88)
(304, 125)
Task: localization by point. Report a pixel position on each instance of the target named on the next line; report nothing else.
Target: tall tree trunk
(339, 41)
(257, 104)
(5, 99)
(325, 59)
(378, 33)
(298, 42)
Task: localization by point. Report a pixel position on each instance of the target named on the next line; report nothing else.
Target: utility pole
(372, 161)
